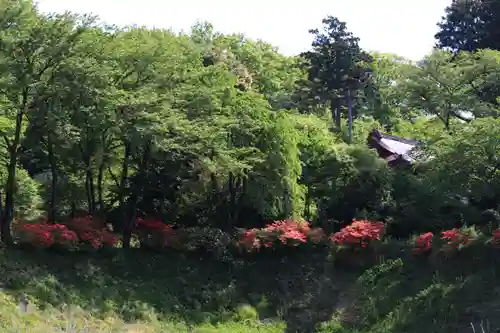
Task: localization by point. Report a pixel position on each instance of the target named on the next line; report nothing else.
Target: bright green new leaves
(448, 89)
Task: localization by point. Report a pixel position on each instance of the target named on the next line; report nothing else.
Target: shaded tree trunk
(127, 229)
(53, 170)
(89, 183)
(307, 209)
(336, 116)
(100, 176)
(6, 222)
(8, 215)
(349, 116)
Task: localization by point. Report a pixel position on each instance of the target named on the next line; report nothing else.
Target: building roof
(396, 147)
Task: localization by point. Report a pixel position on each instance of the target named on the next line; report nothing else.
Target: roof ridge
(400, 139)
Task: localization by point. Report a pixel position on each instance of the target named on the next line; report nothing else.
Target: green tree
(335, 66)
(31, 47)
(470, 25)
(448, 90)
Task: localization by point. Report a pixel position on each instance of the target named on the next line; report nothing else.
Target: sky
(402, 27)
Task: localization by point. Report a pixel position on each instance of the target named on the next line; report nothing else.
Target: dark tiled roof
(396, 147)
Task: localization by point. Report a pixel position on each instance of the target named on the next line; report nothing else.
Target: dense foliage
(470, 25)
(217, 131)
(214, 143)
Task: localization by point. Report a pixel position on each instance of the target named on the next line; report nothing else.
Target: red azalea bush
(495, 238)
(249, 241)
(286, 232)
(456, 239)
(42, 235)
(154, 233)
(359, 234)
(92, 232)
(423, 244)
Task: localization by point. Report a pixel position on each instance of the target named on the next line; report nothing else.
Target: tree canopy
(218, 130)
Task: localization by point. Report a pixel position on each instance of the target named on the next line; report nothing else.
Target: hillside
(204, 182)
(296, 293)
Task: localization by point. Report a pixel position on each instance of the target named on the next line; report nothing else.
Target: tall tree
(448, 89)
(31, 47)
(383, 99)
(335, 65)
(469, 25)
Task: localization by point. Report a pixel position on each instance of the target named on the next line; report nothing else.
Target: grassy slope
(178, 293)
(436, 294)
(172, 289)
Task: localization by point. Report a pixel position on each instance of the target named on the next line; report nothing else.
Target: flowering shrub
(153, 233)
(285, 232)
(47, 235)
(423, 244)
(92, 232)
(358, 234)
(456, 239)
(249, 241)
(495, 238)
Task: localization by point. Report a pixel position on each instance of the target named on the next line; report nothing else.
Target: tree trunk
(53, 170)
(307, 208)
(90, 176)
(1, 206)
(89, 183)
(232, 200)
(100, 176)
(127, 229)
(242, 184)
(100, 172)
(5, 227)
(132, 202)
(87, 193)
(6, 234)
(349, 116)
(73, 209)
(335, 109)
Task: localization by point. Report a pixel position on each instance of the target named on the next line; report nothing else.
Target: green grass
(438, 294)
(173, 292)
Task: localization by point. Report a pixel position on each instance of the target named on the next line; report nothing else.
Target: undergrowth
(274, 292)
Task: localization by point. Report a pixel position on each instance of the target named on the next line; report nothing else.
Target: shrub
(249, 241)
(281, 233)
(92, 232)
(495, 238)
(153, 233)
(47, 235)
(423, 244)
(457, 239)
(359, 234)
(204, 238)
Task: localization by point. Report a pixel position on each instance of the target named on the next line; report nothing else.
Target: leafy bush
(92, 232)
(281, 233)
(457, 239)
(28, 195)
(153, 233)
(359, 234)
(423, 244)
(495, 238)
(207, 239)
(69, 234)
(47, 235)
